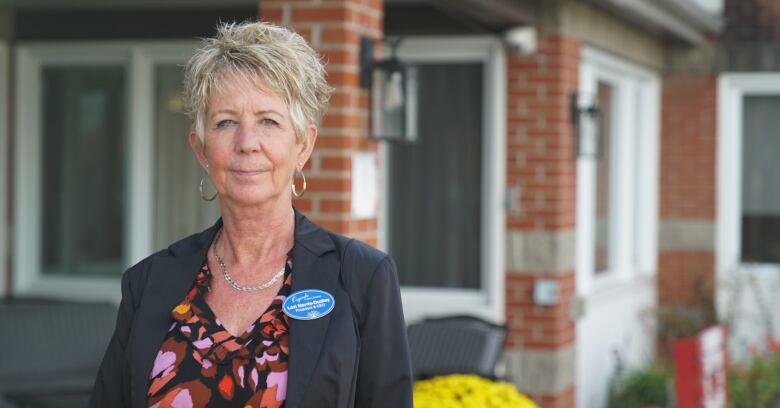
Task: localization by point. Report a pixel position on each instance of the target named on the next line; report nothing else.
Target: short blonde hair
(268, 56)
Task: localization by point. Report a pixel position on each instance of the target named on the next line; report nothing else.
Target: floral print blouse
(200, 364)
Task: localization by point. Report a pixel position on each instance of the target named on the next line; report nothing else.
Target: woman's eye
(225, 123)
(269, 122)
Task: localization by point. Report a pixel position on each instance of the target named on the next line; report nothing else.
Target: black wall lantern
(392, 89)
(584, 116)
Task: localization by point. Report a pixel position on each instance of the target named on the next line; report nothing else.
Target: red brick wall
(334, 28)
(565, 399)
(688, 180)
(538, 327)
(686, 277)
(688, 147)
(541, 165)
(539, 134)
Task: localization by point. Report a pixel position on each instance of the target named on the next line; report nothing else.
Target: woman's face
(249, 147)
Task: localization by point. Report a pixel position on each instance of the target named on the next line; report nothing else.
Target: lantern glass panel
(393, 104)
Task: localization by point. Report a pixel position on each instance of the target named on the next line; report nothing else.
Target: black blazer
(357, 355)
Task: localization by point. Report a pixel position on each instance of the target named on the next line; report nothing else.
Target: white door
(616, 220)
(748, 239)
(443, 214)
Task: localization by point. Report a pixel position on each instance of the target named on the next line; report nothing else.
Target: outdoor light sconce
(392, 87)
(584, 116)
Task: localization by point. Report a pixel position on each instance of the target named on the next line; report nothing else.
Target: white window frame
(139, 58)
(732, 88)
(634, 222)
(487, 302)
(4, 157)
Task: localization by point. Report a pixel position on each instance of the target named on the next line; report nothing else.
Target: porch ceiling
(490, 12)
(123, 4)
(679, 20)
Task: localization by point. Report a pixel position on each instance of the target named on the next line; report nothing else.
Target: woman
(264, 308)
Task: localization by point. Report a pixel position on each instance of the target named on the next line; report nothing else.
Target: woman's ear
(199, 149)
(307, 146)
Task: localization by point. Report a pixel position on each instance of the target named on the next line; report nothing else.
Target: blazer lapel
(312, 269)
(169, 279)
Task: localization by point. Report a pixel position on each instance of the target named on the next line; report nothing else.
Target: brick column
(540, 232)
(686, 260)
(334, 28)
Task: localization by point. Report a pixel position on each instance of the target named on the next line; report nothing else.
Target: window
(82, 166)
(443, 218)
(178, 209)
(102, 158)
(748, 196)
(434, 188)
(601, 256)
(617, 188)
(760, 191)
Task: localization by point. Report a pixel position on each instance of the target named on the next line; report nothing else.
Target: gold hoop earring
(303, 187)
(202, 194)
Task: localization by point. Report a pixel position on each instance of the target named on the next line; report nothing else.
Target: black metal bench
(50, 351)
(455, 344)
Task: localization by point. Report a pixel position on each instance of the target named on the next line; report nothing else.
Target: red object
(226, 387)
(701, 369)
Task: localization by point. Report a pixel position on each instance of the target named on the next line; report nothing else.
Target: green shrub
(640, 388)
(757, 383)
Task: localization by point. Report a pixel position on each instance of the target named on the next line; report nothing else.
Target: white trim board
(488, 302)
(4, 159)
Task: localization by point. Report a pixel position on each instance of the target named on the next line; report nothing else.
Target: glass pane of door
(603, 180)
(760, 189)
(435, 189)
(84, 157)
(179, 211)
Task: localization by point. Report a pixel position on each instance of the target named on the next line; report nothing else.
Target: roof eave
(681, 20)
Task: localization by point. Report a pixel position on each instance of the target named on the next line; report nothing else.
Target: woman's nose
(248, 139)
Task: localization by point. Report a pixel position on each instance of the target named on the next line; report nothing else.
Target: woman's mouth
(247, 173)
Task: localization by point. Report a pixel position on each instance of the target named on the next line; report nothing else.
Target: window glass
(435, 189)
(760, 189)
(603, 177)
(83, 188)
(179, 210)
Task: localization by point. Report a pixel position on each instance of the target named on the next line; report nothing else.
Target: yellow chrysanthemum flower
(468, 391)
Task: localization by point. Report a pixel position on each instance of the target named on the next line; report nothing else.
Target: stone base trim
(686, 235)
(540, 252)
(541, 372)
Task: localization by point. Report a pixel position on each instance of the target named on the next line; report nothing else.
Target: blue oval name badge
(308, 304)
